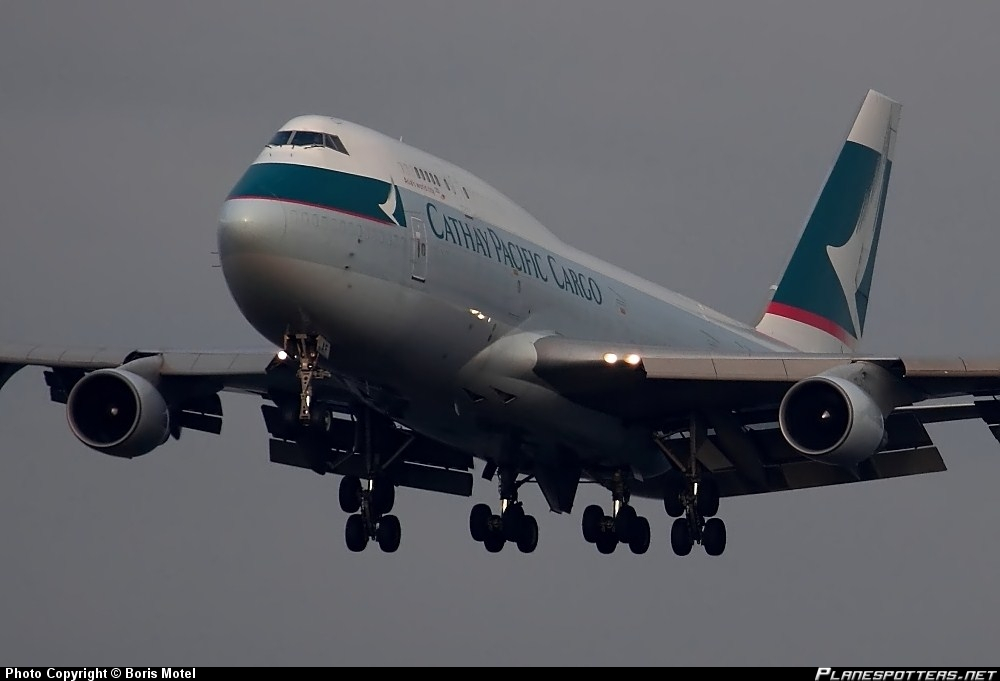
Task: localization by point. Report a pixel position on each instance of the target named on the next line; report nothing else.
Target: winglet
(821, 301)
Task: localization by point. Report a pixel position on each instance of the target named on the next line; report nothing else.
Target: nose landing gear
(307, 349)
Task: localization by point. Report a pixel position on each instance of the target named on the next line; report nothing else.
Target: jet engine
(831, 419)
(118, 412)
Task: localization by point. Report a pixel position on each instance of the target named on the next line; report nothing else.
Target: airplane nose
(250, 226)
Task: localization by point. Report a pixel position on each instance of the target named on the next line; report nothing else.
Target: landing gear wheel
(624, 523)
(707, 501)
(388, 533)
(607, 542)
(592, 517)
(479, 521)
(355, 533)
(680, 537)
(350, 494)
(638, 543)
(383, 496)
(713, 537)
(673, 504)
(320, 420)
(494, 540)
(527, 540)
(513, 518)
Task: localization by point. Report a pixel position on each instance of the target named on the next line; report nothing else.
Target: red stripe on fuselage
(813, 320)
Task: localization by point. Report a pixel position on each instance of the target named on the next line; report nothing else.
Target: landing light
(632, 359)
(282, 355)
(611, 358)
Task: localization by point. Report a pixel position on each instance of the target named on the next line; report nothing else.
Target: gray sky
(685, 144)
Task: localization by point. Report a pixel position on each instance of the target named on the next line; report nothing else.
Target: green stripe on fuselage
(330, 189)
(810, 283)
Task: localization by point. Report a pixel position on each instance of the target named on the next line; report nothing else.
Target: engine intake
(829, 418)
(117, 412)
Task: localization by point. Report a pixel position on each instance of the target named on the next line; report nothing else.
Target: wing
(739, 399)
(185, 387)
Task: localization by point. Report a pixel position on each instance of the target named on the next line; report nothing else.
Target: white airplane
(422, 320)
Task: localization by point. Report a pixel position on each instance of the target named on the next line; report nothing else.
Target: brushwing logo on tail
(820, 286)
(852, 262)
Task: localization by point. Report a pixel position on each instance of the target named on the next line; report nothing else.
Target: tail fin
(820, 303)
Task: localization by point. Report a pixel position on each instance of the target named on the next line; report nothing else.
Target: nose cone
(250, 226)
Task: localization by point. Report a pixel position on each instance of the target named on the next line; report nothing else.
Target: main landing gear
(693, 500)
(512, 524)
(625, 526)
(368, 500)
(369, 505)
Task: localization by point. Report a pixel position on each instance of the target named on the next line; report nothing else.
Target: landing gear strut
(625, 526)
(307, 349)
(369, 501)
(693, 500)
(512, 524)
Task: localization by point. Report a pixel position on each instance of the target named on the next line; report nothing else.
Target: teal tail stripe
(322, 188)
(810, 282)
(865, 287)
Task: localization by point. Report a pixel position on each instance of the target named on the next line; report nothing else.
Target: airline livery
(422, 322)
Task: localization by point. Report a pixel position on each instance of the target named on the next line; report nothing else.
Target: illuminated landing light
(632, 359)
(473, 312)
(481, 315)
(611, 358)
(282, 355)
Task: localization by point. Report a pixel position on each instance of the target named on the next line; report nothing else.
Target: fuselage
(431, 286)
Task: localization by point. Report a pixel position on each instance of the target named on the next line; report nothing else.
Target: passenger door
(418, 249)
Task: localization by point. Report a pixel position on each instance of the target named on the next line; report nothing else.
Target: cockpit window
(303, 138)
(334, 143)
(280, 138)
(306, 138)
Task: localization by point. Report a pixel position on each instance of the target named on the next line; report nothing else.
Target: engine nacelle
(831, 419)
(118, 412)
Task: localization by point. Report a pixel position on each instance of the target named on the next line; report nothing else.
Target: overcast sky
(685, 144)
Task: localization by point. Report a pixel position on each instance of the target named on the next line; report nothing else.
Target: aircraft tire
(638, 543)
(680, 537)
(384, 496)
(713, 537)
(527, 540)
(494, 540)
(388, 533)
(592, 517)
(707, 500)
(350, 494)
(513, 518)
(607, 541)
(355, 533)
(479, 521)
(673, 489)
(625, 523)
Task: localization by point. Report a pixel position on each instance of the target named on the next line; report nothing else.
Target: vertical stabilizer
(821, 300)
